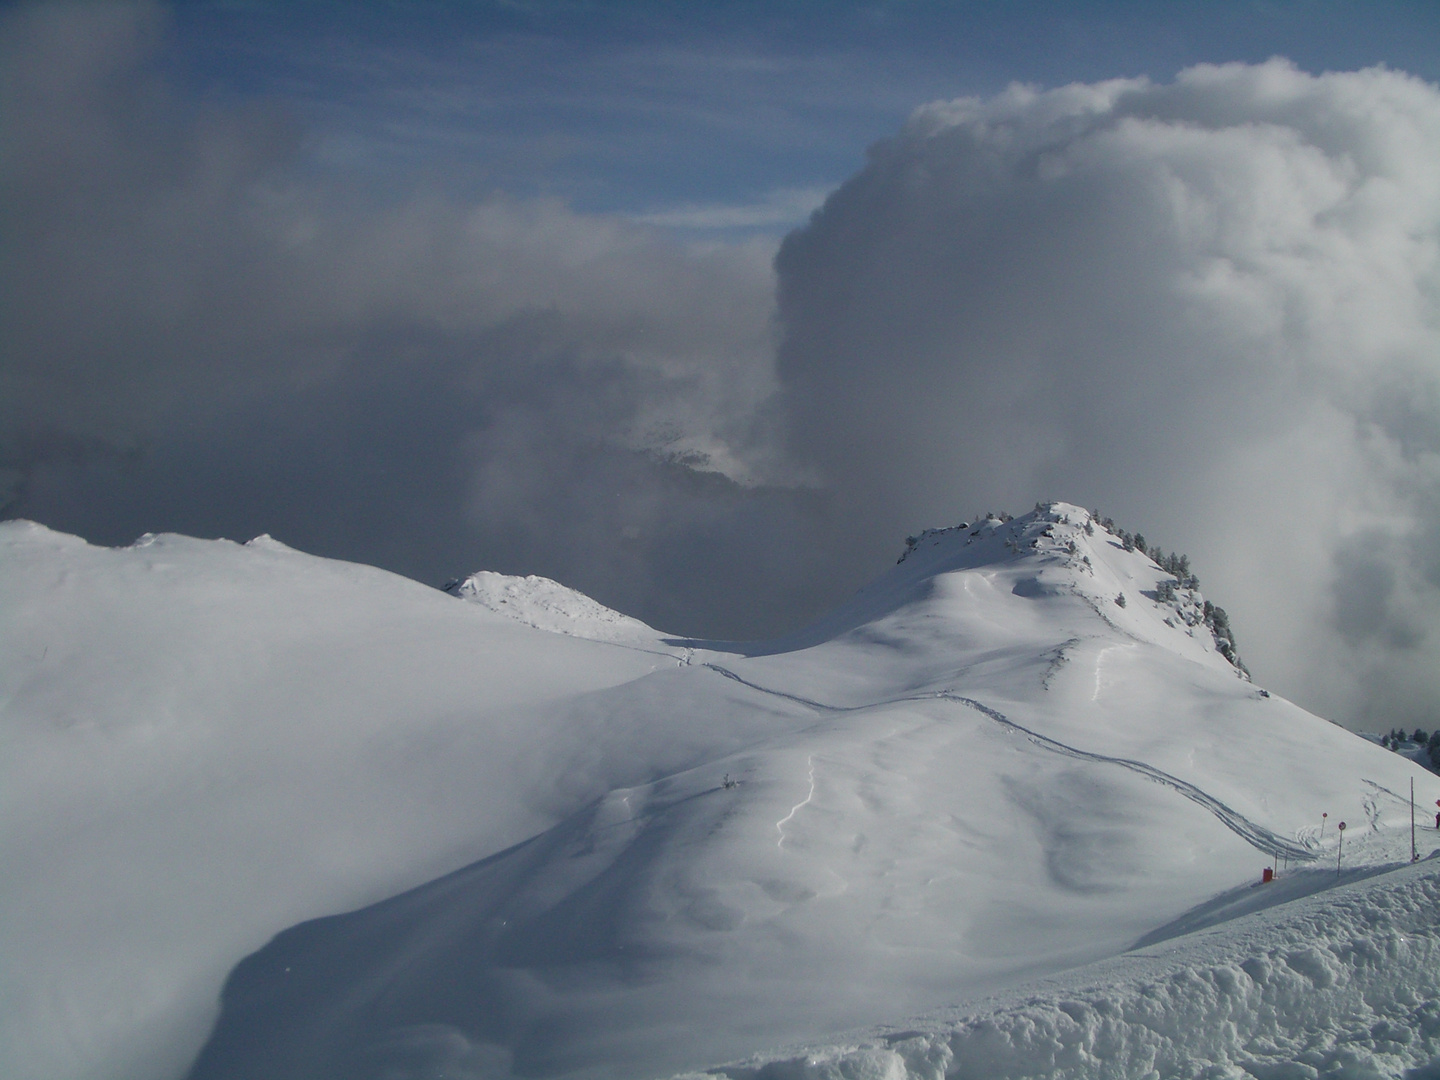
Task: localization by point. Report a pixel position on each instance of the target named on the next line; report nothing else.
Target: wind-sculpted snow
(1343, 984)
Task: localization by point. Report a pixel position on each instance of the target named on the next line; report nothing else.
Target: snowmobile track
(1253, 833)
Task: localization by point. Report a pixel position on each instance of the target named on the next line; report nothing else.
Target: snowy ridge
(205, 742)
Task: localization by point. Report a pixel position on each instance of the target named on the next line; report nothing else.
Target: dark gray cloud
(204, 335)
(1364, 591)
(1211, 308)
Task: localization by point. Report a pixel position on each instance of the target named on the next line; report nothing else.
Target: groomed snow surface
(985, 794)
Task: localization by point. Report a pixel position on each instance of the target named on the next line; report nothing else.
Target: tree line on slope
(1182, 578)
(1397, 740)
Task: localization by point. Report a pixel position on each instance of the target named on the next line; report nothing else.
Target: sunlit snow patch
(547, 605)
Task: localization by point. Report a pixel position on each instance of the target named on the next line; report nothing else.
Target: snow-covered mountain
(603, 852)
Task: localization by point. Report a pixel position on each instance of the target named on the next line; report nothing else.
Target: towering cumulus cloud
(1210, 307)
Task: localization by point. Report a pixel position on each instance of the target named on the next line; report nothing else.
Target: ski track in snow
(780, 825)
(820, 705)
(1253, 833)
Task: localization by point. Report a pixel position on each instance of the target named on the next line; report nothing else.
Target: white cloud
(1212, 307)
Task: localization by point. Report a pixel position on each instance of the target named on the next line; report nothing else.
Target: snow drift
(609, 853)
(1305, 990)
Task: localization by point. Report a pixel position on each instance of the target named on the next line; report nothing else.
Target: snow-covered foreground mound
(983, 770)
(1343, 984)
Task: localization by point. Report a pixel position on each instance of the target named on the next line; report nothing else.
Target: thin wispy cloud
(784, 208)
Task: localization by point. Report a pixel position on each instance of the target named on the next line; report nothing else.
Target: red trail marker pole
(1339, 851)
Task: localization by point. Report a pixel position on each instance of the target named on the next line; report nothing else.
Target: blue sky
(644, 107)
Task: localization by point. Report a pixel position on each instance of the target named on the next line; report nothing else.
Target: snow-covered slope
(982, 770)
(203, 742)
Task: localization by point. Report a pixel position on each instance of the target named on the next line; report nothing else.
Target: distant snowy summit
(547, 605)
(1133, 586)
